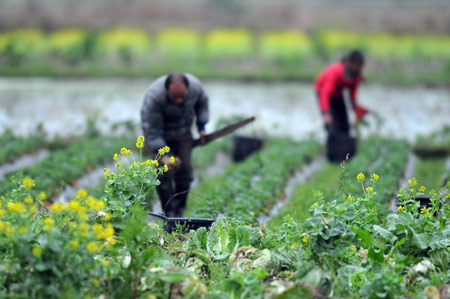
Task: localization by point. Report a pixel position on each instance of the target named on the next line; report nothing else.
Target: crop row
(248, 189)
(219, 53)
(66, 165)
(15, 146)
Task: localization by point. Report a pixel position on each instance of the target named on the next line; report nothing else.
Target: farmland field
(349, 230)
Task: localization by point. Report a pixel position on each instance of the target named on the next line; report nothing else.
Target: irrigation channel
(282, 109)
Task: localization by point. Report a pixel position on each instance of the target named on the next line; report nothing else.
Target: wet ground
(287, 109)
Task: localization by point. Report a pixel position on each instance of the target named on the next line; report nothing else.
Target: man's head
(177, 87)
(354, 63)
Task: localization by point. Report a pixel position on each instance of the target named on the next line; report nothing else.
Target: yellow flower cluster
(78, 208)
(164, 150)
(369, 190)
(74, 244)
(58, 207)
(116, 156)
(82, 193)
(48, 222)
(360, 177)
(172, 159)
(413, 182)
(401, 209)
(424, 210)
(17, 207)
(95, 204)
(28, 200)
(349, 198)
(37, 251)
(103, 233)
(305, 239)
(28, 182)
(92, 247)
(295, 245)
(124, 151)
(140, 142)
(42, 196)
(422, 189)
(375, 177)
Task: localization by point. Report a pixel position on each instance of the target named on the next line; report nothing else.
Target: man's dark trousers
(174, 187)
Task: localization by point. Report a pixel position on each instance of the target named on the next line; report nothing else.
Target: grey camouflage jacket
(163, 118)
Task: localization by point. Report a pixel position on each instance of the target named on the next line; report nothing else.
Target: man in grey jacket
(169, 108)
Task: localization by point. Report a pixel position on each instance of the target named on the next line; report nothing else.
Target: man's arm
(152, 124)
(202, 111)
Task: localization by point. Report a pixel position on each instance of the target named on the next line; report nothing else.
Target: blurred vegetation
(222, 53)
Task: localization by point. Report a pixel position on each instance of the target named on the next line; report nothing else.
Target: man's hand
(202, 136)
(327, 118)
(360, 111)
(171, 162)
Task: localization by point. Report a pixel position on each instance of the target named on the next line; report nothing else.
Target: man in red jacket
(330, 85)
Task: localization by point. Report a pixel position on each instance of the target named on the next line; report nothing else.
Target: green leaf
(171, 277)
(384, 233)
(421, 240)
(376, 255)
(350, 213)
(364, 236)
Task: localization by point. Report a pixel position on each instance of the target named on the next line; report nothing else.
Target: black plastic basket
(244, 146)
(171, 223)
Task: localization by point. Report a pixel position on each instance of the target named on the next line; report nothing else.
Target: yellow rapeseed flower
(108, 216)
(58, 207)
(422, 189)
(118, 164)
(172, 159)
(33, 209)
(123, 151)
(84, 226)
(401, 209)
(424, 210)
(92, 247)
(106, 171)
(116, 156)
(42, 196)
(110, 242)
(360, 177)
(141, 139)
(349, 198)
(17, 207)
(48, 222)
(74, 244)
(28, 182)
(22, 230)
(412, 182)
(295, 245)
(37, 251)
(375, 177)
(28, 200)
(369, 190)
(305, 239)
(82, 193)
(165, 168)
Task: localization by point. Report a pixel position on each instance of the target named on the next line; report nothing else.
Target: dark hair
(170, 77)
(354, 56)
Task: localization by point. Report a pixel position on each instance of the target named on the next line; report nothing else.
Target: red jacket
(331, 82)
